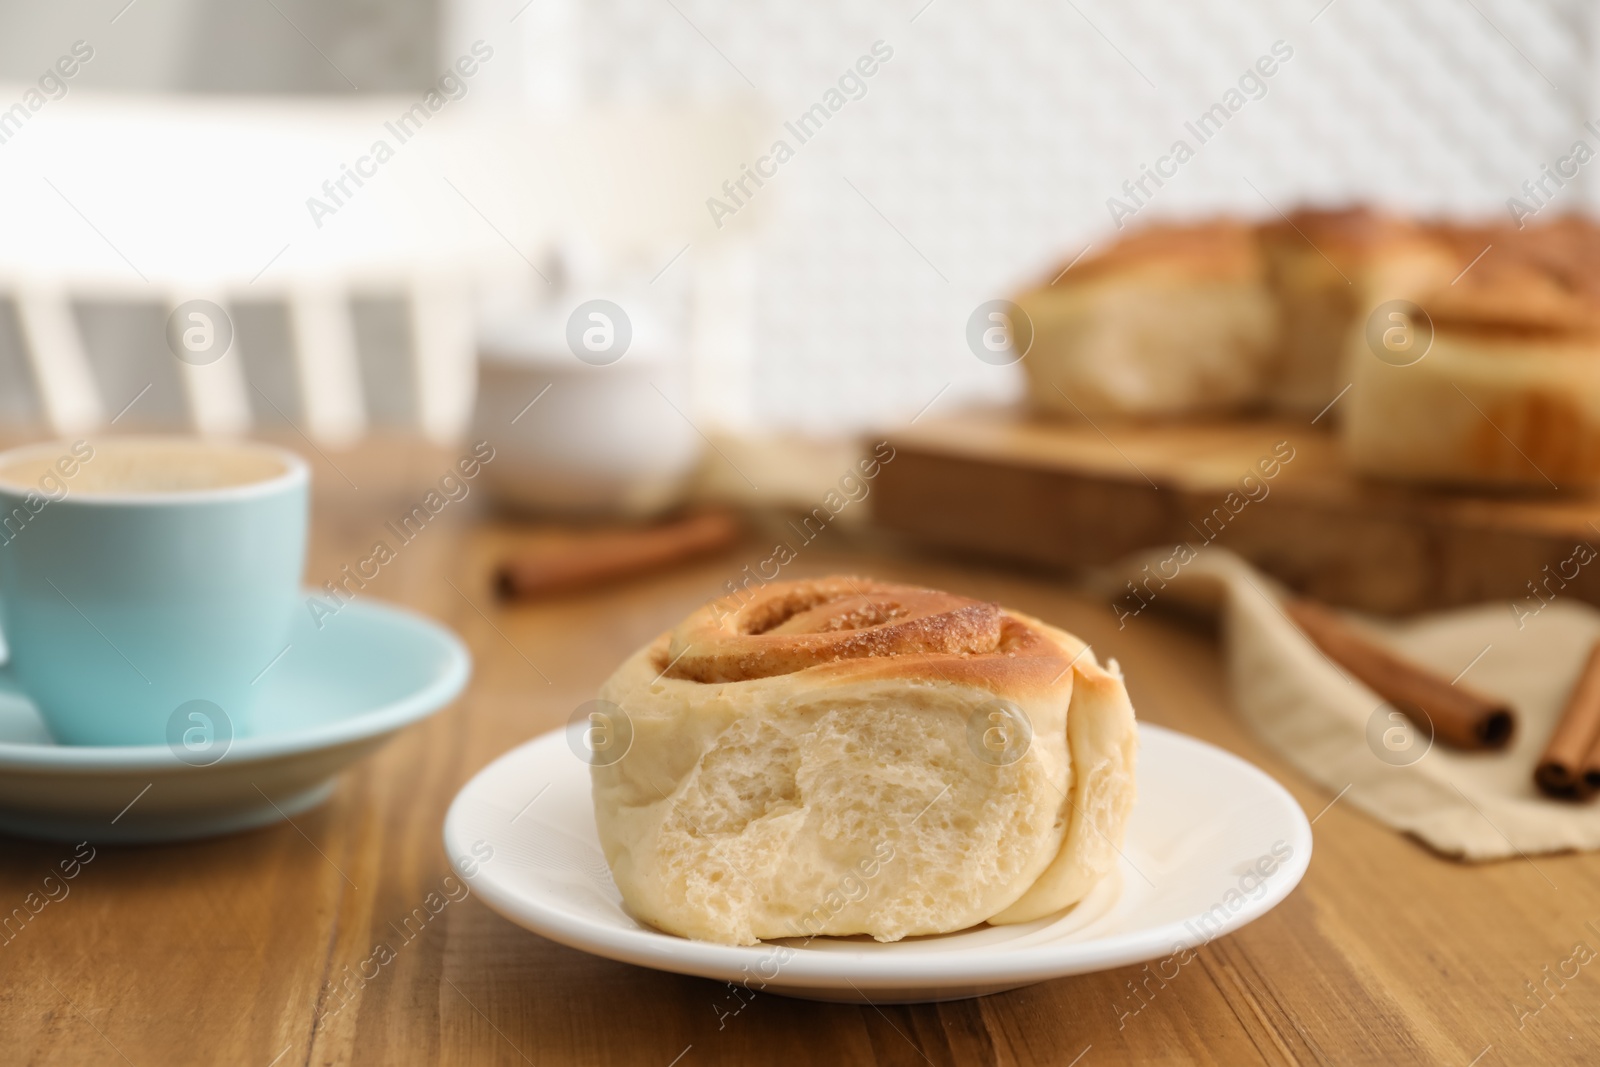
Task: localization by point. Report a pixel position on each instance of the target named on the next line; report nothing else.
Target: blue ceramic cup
(143, 578)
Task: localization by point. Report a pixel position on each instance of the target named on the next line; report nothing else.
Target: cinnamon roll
(1502, 386)
(845, 756)
(1172, 320)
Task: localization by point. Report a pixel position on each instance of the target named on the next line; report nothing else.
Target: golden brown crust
(1537, 283)
(1344, 235)
(845, 628)
(1216, 250)
(1542, 281)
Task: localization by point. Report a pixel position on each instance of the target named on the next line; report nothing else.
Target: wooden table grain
(229, 951)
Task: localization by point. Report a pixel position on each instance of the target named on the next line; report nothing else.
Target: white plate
(336, 694)
(1204, 820)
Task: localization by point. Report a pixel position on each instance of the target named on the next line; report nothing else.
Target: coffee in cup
(140, 576)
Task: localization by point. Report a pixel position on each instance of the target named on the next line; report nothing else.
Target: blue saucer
(334, 696)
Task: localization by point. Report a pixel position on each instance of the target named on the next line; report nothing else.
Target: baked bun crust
(844, 756)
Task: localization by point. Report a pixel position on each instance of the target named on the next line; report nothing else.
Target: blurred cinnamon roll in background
(1170, 320)
(1503, 388)
(1470, 352)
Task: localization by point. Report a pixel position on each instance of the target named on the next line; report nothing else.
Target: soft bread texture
(1170, 320)
(1508, 395)
(803, 764)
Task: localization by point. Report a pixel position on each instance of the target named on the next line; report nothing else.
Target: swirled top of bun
(860, 628)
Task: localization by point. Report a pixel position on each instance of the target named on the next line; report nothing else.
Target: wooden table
(219, 951)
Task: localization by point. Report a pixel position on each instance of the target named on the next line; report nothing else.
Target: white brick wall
(993, 138)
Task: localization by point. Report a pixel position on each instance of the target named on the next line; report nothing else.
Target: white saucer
(1204, 819)
(335, 695)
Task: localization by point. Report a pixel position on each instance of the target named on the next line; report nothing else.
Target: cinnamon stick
(1570, 766)
(1591, 768)
(1456, 715)
(609, 556)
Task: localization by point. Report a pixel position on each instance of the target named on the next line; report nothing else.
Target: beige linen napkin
(1474, 805)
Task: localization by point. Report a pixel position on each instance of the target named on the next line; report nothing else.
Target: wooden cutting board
(1072, 496)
